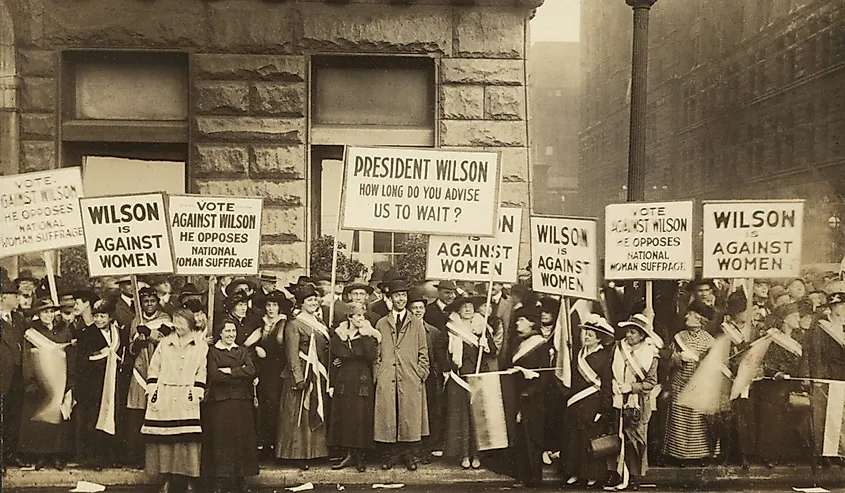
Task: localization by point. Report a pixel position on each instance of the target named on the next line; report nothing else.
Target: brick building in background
(746, 100)
(257, 98)
(554, 99)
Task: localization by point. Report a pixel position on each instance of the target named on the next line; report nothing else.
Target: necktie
(399, 320)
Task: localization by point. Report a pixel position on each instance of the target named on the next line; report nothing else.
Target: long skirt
(782, 432)
(579, 427)
(94, 446)
(460, 434)
(269, 397)
(182, 458)
(688, 434)
(231, 445)
(351, 423)
(38, 437)
(135, 445)
(299, 439)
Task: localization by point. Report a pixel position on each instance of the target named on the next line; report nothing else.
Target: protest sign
(215, 235)
(461, 258)
(127, 234)
(563, 256)
(648, 241)
(40, 211)
(420, 191)
(750, 239)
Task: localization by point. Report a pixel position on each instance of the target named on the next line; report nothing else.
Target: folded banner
(828, 404)
(49, 363)
(487, 404)
(709, 388)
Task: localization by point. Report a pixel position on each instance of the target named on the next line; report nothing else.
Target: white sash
(314, 324)
(786, 342)
(835, 332)
(632, 361)
(732, 331)
(527, 346)
(686, 349)
(589, 374)
(105, 418)
(457, 336)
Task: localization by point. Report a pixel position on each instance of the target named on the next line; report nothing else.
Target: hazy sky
(556, 20)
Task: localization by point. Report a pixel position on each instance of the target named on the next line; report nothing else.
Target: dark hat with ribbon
(147, 293)
(239, 281)
(644, 325)
(460, 300)
(550, 305)
(279, 298)
(235, 298)
(102, 306)
(194, 305)
(300, 281)
(530, 313)
(42, 304)
(395, 286)
(388, 277)
(357, 285)
(446, 285)
(86, 295)
(304, 292)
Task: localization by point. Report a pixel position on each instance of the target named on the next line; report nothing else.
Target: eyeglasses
(25, 295)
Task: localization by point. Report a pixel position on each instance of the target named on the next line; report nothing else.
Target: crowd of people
(377, 372)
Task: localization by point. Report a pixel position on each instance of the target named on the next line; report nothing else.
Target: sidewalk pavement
(437, 473)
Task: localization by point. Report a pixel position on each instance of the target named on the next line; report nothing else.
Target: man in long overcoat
(400, 371)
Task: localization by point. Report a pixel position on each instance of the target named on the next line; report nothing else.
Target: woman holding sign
(467, 335)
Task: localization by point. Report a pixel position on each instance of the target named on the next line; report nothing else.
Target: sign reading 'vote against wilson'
(420, 191)
(753, 239)
(126, 234)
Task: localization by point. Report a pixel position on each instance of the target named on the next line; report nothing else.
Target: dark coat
(435, 316)
(238, 385)
(823, 356)
(91, 374)
(353, 403)
(379, 308)
(123, 313)
(11, 353)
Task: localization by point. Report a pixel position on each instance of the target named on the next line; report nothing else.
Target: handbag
(604, 446)
(799, 400)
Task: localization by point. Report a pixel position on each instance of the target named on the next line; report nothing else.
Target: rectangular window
(368, 100)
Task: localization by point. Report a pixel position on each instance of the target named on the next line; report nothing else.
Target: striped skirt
(687, 433)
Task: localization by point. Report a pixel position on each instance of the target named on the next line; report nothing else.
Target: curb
(277, 476)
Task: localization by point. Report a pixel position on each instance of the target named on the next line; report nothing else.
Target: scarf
(630, 366)
(105, 417)
(344, 331)
(527, 345)
(461, 332)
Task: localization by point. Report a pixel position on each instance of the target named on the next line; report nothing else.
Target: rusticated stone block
(284, 255)
(278, 130)
(514, 195)
(272, 99)
(38, 126)
(285, 223)
(486, 133)
(478, 71)
(37, 63)
(124, 23)
(278, 162)
(514, 164)
(490, 33)
(253, 67)
(38, 94)
(37, 156)
(376, 28)
(280, 193)
(504, 103)
(251, 27)
(222, 98)
(221, 160)
(462, 102)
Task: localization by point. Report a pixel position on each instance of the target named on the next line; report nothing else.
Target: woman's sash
(105, 417)
(589, 375)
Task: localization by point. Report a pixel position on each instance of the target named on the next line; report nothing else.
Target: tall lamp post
(639, 96)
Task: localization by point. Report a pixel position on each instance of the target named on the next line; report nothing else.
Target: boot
(344, 462)
(359, 461)
(165, 488)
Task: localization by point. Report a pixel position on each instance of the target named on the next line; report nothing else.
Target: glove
(299, 385)
(780, 376)
(260, 352)
(198, 393)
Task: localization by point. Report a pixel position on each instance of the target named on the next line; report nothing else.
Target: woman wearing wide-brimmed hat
(48, 368)
(301, 434)
(589, 406)
(467, 335)
(634, 369)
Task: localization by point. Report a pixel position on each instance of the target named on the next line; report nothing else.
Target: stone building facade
(250, 97)
(745, 101)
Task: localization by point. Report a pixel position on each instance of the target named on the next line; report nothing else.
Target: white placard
(420, 191)
(127, 234)
(40, 211)
(215, 235)
(461, 258)
(753, 239)
(648, 241)
(563, 256)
